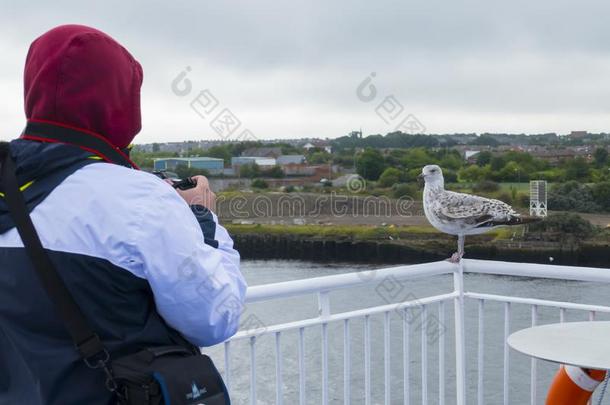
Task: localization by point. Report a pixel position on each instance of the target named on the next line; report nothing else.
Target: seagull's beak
(421, 178)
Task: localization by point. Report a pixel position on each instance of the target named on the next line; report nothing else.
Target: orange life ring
(573, 385)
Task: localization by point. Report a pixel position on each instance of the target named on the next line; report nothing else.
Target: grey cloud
(517, 61)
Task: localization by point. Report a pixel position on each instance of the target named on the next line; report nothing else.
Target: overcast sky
(291, 69)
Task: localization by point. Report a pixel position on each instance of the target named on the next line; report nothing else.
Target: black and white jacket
(145, 268)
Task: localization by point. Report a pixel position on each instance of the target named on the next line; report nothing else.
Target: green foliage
(497, 163)
(320, 157)
(220, 152)
(577, 169)
(146, 160)
(474, 173)
(554, 175)
(601, 157)
(486, 186)
(394, 140)
(484, 158)
(417, 158)
(344, 157)
(450, 176)
(370, 164)
(390, 176)
(275, 172)
(572, 196)
(260, 183)
(183, 171)
(512, 172)
(451, 162)
(505, 196)
(601, 194)
(250, 171)
(412, 175)
(599, 175)
(289, 149)
(522, 200)
(566, 224)
(403, 190)
(394, 157)
(486, 139)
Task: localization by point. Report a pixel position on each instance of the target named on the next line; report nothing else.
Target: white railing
(324, 286)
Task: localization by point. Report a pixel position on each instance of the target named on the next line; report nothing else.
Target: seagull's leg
(461, 239)
(457, 256)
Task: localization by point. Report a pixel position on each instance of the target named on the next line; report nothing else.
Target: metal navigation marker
(538, 195)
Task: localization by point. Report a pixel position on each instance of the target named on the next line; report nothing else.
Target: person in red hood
(147, 265)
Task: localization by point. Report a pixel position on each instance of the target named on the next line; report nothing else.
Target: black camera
(181, 184)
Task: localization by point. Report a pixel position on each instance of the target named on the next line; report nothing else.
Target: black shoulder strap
(86, 341)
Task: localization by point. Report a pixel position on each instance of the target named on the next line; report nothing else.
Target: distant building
(318, 144)
(578, 134)
(212, 165)
(290, 160)
(268, 152)
(298, 170)
(556, 155)
(263, 162)
(471, 155)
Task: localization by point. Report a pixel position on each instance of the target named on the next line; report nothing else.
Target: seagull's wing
(473, 210)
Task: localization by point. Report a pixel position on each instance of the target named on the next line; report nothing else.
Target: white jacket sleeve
(197, 284)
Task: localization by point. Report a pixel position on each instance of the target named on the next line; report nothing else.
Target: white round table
(581, 344)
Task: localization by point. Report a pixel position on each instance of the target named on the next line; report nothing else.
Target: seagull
(463, 214)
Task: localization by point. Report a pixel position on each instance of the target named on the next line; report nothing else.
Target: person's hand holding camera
(201, 194)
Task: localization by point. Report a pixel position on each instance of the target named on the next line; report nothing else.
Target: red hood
(81, 77)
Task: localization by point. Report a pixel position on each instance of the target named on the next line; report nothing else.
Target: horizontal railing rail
(574, 273)
(306, 286)
(341, 316)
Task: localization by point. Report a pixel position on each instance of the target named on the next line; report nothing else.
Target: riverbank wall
(289, 247)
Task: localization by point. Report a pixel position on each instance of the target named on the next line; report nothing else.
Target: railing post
(253, 370)
(481, 355)
(367, 360)
(506, 376)
(460, 347)
(533, 368)
(324, 312)
(441, 353)
(347, 364)
(424, 355)
(228, 365)
(387, 378)
(405, 356)
(301, 355)
(279, 396)
(323, 304)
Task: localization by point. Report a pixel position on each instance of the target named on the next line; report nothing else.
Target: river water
(269, 313)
